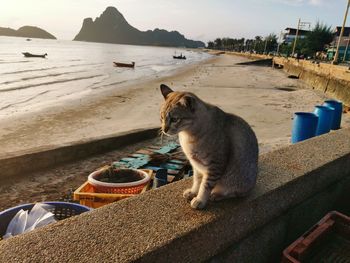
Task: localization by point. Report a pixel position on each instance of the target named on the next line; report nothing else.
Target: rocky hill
(26, 31)
(112, 27)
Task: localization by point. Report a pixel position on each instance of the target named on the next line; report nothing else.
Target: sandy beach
(264, 96)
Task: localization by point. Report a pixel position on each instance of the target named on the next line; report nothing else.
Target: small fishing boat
(124, 65)
(179, 57)
(30, 55)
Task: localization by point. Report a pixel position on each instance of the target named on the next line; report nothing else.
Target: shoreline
(119, 87)
(42, 118)
(265, 97)
(73, 71)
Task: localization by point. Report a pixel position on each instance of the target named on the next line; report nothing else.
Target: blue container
(338, 110)
(304, 126)
(61, 210)
(325, 119)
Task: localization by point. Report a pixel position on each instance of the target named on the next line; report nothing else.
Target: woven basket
(134, 187)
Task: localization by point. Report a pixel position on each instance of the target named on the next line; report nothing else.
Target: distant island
(26, 31)
(111, 27)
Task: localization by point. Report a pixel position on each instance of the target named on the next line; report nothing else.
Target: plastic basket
(87, 195)
(120, 188)
(61, 210)
(327, 241)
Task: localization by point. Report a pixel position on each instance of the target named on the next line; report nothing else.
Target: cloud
(301, 2)
(316, 2)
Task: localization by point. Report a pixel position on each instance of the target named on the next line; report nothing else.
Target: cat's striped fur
(222, 148)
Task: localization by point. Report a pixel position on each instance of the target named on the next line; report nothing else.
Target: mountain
(26, 31)
(112, 27)
(8, 32)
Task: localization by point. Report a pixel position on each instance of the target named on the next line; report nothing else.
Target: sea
(74, 69)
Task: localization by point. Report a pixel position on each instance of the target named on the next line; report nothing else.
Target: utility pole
(296, 37)
(346, 49)
(335, 60)
(266, 43)
(279, 43)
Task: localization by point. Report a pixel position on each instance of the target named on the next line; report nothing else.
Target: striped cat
(221, 147)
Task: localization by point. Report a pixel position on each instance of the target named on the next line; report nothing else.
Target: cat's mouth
(167, 133)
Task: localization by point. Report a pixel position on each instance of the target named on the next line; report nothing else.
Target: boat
(179, 57)
(124, 65)
(30, 55)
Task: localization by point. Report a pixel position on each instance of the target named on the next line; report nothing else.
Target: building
(344, 42)
(290, 34)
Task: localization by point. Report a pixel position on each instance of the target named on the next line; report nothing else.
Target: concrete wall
(331, 79)
(31, 160)
(248, 55)
(296, 186)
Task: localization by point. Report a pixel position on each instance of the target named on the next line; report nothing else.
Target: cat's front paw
(214, 197)
(197, 203)
(188, 194)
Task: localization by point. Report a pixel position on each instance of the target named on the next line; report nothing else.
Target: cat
(221, 147)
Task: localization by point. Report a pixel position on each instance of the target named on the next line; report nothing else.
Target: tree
(285, 49)
(271, 44)
(218, 43)
(211, 45)
(316, 40)
(300, 48)
(249, 44)
(258, 44)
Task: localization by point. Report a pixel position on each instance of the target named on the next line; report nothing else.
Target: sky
(197, 19)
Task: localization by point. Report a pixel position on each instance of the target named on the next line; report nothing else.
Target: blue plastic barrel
(338, 110)
(304, 126)
(325, 119)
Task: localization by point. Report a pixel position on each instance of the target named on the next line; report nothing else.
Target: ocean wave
(13, 62)
(49, 83)
(45, 69)
(42, 76)
(107, 85)
(24, 101)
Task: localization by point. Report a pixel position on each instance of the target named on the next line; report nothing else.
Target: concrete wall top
(160, 226)
(326, 69)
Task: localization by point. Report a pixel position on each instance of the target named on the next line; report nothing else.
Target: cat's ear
(190, 103)
(165, 90)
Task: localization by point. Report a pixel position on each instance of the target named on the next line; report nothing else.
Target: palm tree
(271, 44)
(258, 44)
(218, 43)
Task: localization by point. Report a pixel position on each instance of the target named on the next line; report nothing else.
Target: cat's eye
(174, 120)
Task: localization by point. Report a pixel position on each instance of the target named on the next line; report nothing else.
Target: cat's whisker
(161, 137)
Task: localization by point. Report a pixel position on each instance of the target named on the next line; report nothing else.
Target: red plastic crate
(327, 241)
